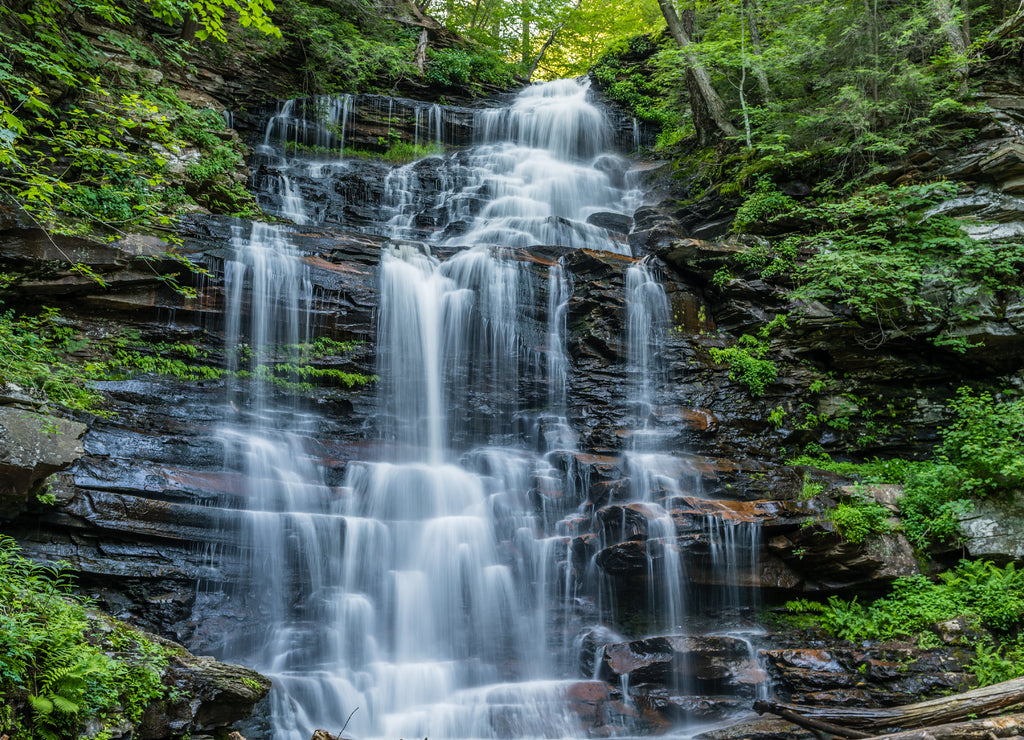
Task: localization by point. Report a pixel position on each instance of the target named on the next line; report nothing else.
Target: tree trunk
(524, 39)
(709, 114)
(420, 58)
(750, 16)
(872, 14)
(1007, 27)
(979, 729)
(814, 725)
(956, 708)
(955, 36)
(548, 42)
(188, 28)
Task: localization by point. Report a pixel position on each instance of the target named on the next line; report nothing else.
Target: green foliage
(473, 67)
(346, 46)
(847, 83)
(746, 359)
(859, 517)
(934, 499)
(32, 355)
(979, 590)
(747, 363)
(70, 667)
(980, 456)
(35, 354)
(624, 76)
(995, 663)
(763, 203)
(986, 441)
(876, 470)
(399, 152)
(209, 15)
(811, 488)
(83, 143)
(881, 252)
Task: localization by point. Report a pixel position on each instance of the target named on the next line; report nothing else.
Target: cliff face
(148, 512)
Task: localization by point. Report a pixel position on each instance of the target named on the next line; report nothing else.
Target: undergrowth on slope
(991, 596)
(980, 456)
(883, 252)
(66, 666)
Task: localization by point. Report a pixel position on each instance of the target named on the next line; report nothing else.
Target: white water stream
(435, 593)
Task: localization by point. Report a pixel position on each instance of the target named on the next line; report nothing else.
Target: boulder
(994, 529)
(33, 446)
(205, 695)
(708, 664)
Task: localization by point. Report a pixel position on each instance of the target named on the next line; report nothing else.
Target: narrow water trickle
(449, 588)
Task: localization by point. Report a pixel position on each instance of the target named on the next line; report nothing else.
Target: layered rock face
(652, 492)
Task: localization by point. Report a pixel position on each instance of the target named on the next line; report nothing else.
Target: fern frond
(63, 704)
(40, 705)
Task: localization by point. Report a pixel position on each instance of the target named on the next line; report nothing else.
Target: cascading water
(442, 591)
(539, 172)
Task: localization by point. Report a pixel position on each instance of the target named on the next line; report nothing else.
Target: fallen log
(1011, 725)
(975, 703)
(815, 725)
(1004, 29)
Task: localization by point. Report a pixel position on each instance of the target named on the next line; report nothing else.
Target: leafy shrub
(345, 45)
(629, 82)
(70, 668)
(934, 499)
(876, 470)
(763, 203)
(980, 590)
(994, 663)
(883, 253)
(462, 67)
(32, 356)
(746, 359)
(859, 517)
(986, 441)
(747, 364)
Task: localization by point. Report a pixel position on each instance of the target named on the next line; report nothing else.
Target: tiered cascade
(471, 578)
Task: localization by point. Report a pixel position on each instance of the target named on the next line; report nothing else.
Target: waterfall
(442, 583)
(305, 138)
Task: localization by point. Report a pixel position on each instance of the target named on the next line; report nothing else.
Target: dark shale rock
(706, 666)
(653, 229)
(876, 676)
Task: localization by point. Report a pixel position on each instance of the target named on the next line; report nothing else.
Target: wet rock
(700, 258)
(759, 729)
(33, 445)
(682, 708)
(625, 559)
(845, 676)
(615, 222)
(325, 735)
(827, 562)
(206, 695)
(653, 230)
(712, 664)
(961, 631)
(628, 522)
